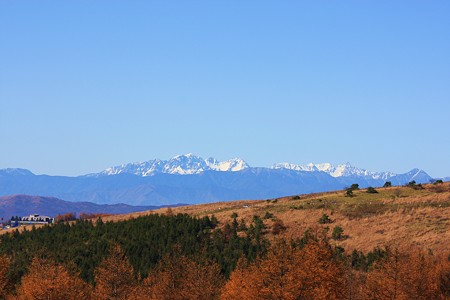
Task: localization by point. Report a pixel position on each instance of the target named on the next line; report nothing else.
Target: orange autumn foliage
(238, 286)
(178, 277)
(4, 266)
(290, 273)
(48, 280)
(408, 275)
(114, 277)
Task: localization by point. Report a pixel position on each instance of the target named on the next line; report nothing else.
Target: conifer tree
(4, 266)
(404, 274)
(290, 273)
(114, 277)
(178, 277)
(239, 285)
(48, 280)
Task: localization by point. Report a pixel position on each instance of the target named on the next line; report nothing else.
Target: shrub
(337, 233)
(349, 192)
(418, 187)
(411, 183)
(278, 227)
(354, 186)
(371, 190)
(439, 181)
(387, 184)
(65, 217)
(414, 185)
(325, 219)
(268, 215)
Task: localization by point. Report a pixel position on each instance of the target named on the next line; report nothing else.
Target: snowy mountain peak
(342, 170)
(187, 164)
(234, 164)
(180, 164)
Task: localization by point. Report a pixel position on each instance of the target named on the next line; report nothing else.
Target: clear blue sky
(85, 85)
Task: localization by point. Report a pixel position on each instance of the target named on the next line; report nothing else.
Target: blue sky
(85, 85)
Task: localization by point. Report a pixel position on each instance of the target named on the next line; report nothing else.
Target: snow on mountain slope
(342, 170)
(191, 179)
(189, 164)
(181, 164)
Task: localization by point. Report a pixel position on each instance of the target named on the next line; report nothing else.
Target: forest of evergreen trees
(182, 257)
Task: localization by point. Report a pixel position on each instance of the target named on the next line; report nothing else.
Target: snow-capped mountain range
(336, 171)
(192, 179)
(181, 164)
(191, 164)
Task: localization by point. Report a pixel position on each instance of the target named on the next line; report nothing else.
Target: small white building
(36, 219)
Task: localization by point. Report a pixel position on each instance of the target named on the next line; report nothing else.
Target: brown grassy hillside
(396, 215)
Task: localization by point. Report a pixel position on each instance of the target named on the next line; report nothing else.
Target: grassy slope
(395, 215)
(399, 215)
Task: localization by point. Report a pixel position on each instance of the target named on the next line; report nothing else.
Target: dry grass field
(397, 215)
(20, 229)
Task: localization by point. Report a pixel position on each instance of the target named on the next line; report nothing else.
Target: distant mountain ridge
(24, 205)
(191, 179)
(189, 164)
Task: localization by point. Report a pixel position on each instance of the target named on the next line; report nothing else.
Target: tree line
(182, 257)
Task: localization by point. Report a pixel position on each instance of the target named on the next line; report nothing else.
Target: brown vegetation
(88, 216)
(395, 215)
(314, 272)
(47, 280)
(114, 277)
(65, 217)
(414, 224)
(406, 274)
(4, 266)
(178, 277)
(290, 273)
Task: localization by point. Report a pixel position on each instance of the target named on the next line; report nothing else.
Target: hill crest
(24, 205)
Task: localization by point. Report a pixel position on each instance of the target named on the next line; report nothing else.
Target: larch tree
(167, 280)
(322, 275)
(290, 273)
(383, 281)
(406, 274)
(420, 276)
(4, 267)
(46, 279)
(178, 277)
(114, 277)
(203, 280)
(239, 285)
